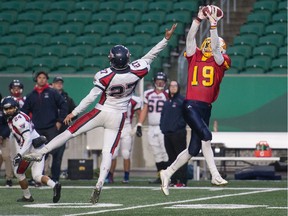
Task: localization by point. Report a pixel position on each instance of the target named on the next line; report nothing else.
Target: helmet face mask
(10, 106)
(207, 49)
(119, 57)
(160, 81)
(16, 88)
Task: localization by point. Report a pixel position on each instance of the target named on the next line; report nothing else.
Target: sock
(104, 168)
(51, 183)
(181, 159)
(58, 141)
(209, 157)
(26, 193)
(126, 176)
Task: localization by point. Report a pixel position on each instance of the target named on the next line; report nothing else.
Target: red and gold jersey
(204, 77)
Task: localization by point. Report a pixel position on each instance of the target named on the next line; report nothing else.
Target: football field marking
(173, 203)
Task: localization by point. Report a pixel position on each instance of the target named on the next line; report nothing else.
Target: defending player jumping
(27, 140)
(115, 86)
(206, 67)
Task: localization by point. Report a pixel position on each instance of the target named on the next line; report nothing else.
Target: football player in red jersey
(206, 67)
(114, 85)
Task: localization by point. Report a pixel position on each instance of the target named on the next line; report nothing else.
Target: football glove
(17, 159)
(139, 130)
(200, 15)
(39, 141)
(214, 14)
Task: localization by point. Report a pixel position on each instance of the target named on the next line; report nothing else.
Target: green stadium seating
(100, 62)
(136, 51)
(12, 5)
(102, 50)
(246, 39)
(178, 31)
(179, 17)
(45, 61)
(47, 27)
(90, 69)
(3, 59)
(260, 16)
(20, 61)
(269, 5)
(32, 50)
(282, 6)
(111, 5)
(173, 42)
(258, 64)
(92, 39)
(280, 17)
(113, 39)
(97, 27)
(122, 27)
(138, 39)
(4, 27)
(42, 39)
(58, 50)
(107, 16)
(276, 28)
(34, 16)
(154, 16)
(7, 50)
(282, 52)
(243, 50)
(191, 6)
(71, 27)
(66, 39)
(165, 6)
(79, 16)
(62, 5)
(55, 16)
(80, 50)
(238, 62)
(276, 39)
(129, 16)
(8, 16)
(37, 5)
(69, 64)
(254, 28)
(87, 5)
(14, 69)
(16, 39)
(22, 27)
(279, 65)
(269, 50)
(151, 28)
(136, 5)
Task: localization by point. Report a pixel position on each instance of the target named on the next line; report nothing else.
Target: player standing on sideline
(115, 86)
(126, 141)
(154, 100)
(16, 90)
(206, 67)
(28, 140)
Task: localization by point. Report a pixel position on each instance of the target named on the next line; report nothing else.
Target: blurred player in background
(206, 67)
(16, 90)
(154, 100)
(28, 140)
(126, 141)
(115, 86)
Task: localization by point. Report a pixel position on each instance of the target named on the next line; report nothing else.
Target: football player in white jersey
(154, 100)
(28, 140)
(16, 90)
(126, 141)
(115, 86)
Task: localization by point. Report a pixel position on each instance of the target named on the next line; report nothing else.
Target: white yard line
(175, 202)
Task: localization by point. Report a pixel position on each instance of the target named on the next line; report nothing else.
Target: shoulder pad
(19, 121)
(138, 64)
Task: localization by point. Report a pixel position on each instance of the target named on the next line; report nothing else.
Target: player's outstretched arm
(153, 53)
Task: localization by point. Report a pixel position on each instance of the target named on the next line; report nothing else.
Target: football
(208, 9)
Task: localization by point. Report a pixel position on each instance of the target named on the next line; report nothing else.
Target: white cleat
(218, 181)
(165, 180)
(33, 157)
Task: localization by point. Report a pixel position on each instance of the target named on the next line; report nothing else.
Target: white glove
(215, 15)
(200, 15)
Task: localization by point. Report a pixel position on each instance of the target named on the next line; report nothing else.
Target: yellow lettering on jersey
(194, 81)
(208, 74)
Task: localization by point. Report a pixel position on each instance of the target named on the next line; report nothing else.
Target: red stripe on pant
(115, 144)
(83, 120)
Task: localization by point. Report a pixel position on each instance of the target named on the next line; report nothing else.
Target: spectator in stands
(173, 126)
(58, 84)
(48, 109)
(206, 68)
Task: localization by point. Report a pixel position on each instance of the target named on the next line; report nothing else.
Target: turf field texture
(243, 198)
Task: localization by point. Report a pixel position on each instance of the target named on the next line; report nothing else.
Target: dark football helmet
(160, 76)
(16, 92)
(119, 57)
(10, 106)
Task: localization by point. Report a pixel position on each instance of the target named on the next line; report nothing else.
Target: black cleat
(9, 183)
(24, 199)
(95, 195)
(56, 192)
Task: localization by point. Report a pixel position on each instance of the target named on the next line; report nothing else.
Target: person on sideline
(206, 68)
(173, 126)
(115, 86)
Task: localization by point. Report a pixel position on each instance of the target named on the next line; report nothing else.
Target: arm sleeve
(215, 45)
(152, 54)
(190, 40)
(90, 98)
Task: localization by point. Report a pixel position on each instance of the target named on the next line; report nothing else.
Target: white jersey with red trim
(23, 131)
(134, 105)
(155, 102)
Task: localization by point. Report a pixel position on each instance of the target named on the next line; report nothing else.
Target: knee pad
(126, 154)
